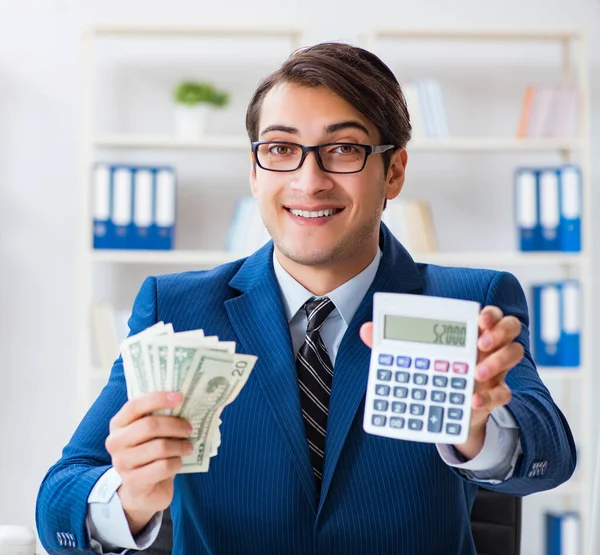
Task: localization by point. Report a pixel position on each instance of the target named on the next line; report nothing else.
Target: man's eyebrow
(283, 128)
(333, 128)
(345, 125)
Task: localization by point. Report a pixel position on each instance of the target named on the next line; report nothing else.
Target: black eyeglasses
(281, 156)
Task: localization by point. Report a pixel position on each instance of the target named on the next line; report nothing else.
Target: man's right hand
(146, 451)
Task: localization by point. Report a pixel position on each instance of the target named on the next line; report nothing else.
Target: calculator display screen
(425, 330)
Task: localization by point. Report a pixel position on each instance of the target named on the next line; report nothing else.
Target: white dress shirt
(495, 463)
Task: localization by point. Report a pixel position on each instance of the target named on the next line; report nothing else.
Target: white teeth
(316, 214)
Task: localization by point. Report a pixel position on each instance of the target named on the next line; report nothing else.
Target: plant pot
(190, 121)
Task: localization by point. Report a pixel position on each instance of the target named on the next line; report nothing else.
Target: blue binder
(549, 203)
(527, 209)
(557, 324)
(165, 191)
(121, 207)
(570, 208)
(546, 324)
(143, 208)
(570, 336)
(563, 534)
(101, 177)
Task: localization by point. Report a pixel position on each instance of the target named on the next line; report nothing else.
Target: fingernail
(478, 401)
(189, 448)
(174, 396)
(485, 341)
(482, 371)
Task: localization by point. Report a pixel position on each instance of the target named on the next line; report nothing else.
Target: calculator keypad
(432, 402)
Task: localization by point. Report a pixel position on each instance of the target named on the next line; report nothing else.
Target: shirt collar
(346, 298)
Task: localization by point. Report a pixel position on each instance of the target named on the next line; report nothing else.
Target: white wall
(40, 87)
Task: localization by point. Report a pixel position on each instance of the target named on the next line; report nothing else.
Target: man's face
(311, 116)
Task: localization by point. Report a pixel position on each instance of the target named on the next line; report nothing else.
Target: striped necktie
(315, 373)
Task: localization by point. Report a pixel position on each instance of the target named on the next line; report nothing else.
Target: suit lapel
(397, 273)
(259, 320)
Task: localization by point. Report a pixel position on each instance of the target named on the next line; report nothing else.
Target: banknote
(207, 371)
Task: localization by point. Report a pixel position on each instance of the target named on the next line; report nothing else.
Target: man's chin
(317, 256)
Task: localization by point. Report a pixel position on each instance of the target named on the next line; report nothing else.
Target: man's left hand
(497, 354)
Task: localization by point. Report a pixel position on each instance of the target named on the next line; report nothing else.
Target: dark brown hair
(354, 74)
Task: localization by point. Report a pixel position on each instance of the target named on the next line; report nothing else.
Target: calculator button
(455, 414)
(403, 362)
(460, 368)
(380, 405)
(417, 410)
(396, 422)
(384, 375)
(382, 390)
(400, 392)
(420, 379)
(398, 407)
(415, 424)
(378, 420)
(422, 363)
(419, 394)
(457, 398)
(453, 429)
(402, 377)
(440, 381)
(435, 420)
(386, 360)
(438, 396)
(458, 383)
(441, 365)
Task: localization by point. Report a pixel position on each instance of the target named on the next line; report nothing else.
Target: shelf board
(179, 30)
(492, 259)
(492, 144)
(478, 34)
(213, 258)
(202, 258)
(451, 144)
(131, 141)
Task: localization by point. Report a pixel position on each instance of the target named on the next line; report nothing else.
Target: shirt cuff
(106, 521)
(497, 459)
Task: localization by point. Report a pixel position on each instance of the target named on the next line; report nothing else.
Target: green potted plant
(193, 101)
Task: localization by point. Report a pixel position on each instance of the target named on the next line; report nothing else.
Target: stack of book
(556, 323)
(425, 101)
(247, 232)
(411, 222)
(549, 110)
(548, 208)
(134, 207)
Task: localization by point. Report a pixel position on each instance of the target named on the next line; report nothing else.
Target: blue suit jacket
(378, 495)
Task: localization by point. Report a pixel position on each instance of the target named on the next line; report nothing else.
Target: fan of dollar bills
(208, 372)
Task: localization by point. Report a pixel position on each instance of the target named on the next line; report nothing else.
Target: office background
(40, 177)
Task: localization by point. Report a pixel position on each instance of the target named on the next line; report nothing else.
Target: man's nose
(310, 178)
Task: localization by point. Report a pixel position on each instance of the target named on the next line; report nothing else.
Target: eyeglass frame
(369, 149)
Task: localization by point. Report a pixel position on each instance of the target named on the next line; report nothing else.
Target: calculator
(422, 369)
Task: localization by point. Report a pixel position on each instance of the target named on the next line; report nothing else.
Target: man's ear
(253, 185)
(396, 173)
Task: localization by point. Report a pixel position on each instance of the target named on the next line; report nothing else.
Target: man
(295, 472)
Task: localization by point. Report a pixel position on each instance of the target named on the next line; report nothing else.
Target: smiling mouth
(314, 213)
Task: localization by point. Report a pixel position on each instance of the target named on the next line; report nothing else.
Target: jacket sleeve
(548, 455)
(62, 501)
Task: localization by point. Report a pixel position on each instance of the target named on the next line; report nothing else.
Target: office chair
(495, 522)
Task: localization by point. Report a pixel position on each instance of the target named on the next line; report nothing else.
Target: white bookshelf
(452, 144)
(569, 40)
(577, 492)
(89, 375)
